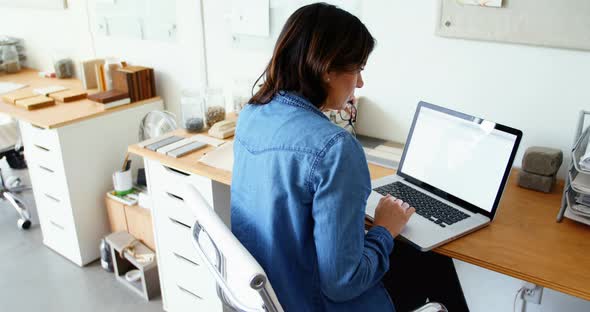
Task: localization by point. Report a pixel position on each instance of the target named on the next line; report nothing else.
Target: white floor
(34, 278)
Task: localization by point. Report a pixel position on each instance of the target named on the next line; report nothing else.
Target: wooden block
(120, 80)
(88, 74)
(139, 87)
(12, 97)
(136, 87)
(100, 80)
(139, 223)
(108, 96)
(116, 214)
(152, 83)
(36, 102)
(68, 96)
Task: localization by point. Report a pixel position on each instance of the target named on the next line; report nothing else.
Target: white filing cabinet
(70, 168)
(185, 282)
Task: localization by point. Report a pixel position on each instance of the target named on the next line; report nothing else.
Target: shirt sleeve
(349, 261)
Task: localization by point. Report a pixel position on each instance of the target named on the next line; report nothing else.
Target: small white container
(122, 182)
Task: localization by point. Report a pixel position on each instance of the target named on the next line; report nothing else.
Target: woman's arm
(349, 261)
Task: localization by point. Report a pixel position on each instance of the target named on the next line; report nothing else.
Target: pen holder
(122, 182)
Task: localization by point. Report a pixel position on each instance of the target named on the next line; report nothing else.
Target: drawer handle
(176, 171)
(185, 259)
(179, 223)
(45, 149)
(189, 292)
(46, 169)
(52, 198)
(38, 127)
(56, 225)
(176, 197)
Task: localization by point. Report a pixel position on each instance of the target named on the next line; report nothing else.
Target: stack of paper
(582, 182)
(387, 154)
(221, 157)
(6, 87)
(585, 161)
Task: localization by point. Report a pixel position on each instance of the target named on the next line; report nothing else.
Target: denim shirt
(298, 195)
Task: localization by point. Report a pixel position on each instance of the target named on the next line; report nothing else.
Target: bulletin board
(137, 19)
(551, 23)
(37, 4)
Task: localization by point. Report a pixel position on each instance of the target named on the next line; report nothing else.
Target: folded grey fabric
(535, 182)
(542, 160)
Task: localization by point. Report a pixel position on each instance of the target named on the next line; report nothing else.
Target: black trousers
(415, 277)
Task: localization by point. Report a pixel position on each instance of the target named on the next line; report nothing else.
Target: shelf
(135, 286)
(579, 150)
(570, 202)
(148, 285)
(571, 178)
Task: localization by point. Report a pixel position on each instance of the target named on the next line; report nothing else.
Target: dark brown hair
(317, 38)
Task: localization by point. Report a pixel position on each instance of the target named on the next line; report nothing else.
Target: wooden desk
(72, 149)
(524, 241)
(62, 113)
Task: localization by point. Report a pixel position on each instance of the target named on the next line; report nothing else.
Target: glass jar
(63, 65)
(193, 110)
(9, 57)
(241, 94)
(215, 104)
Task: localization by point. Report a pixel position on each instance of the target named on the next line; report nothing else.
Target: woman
(300, 183)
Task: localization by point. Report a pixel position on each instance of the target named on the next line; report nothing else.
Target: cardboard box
(134, 219)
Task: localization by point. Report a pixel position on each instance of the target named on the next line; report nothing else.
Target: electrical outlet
(102, 26)
(532, 293)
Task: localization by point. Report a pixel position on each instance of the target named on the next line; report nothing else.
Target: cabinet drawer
(47, 138)
(170, 205)
(59, 236)
(48, 180)
(176, 239)
(43, 155)
(181, 299)
(53, 207)
(187, 275)
(165, 178)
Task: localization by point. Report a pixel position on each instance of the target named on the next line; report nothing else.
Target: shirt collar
(296, 99)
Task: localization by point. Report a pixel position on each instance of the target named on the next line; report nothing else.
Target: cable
(90, 29)
(515, 298)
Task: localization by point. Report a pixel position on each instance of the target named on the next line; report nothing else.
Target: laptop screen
(464, 156)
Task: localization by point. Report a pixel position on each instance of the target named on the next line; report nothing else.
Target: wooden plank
(139, 223)
(61, 114)
(116, 214)
(68, 96)
(36, 102)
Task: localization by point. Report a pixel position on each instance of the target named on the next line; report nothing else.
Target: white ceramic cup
(122, 181)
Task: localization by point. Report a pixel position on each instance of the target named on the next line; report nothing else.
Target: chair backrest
(241, 281)
(8, 134)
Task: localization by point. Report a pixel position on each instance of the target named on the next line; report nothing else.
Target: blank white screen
(458, 156)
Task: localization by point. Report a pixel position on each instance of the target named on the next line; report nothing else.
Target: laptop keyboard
(426, 206)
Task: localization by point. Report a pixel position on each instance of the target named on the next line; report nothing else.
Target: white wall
(538, 90)
(178, 65)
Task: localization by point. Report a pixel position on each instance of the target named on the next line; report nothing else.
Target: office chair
(250, 290)
(242, 284)
(11, 148)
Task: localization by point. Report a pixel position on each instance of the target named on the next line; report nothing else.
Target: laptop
(453, 171)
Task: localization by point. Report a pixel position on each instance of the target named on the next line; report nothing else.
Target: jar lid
(4, 40)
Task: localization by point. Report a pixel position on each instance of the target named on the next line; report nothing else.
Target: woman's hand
(392, 214)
